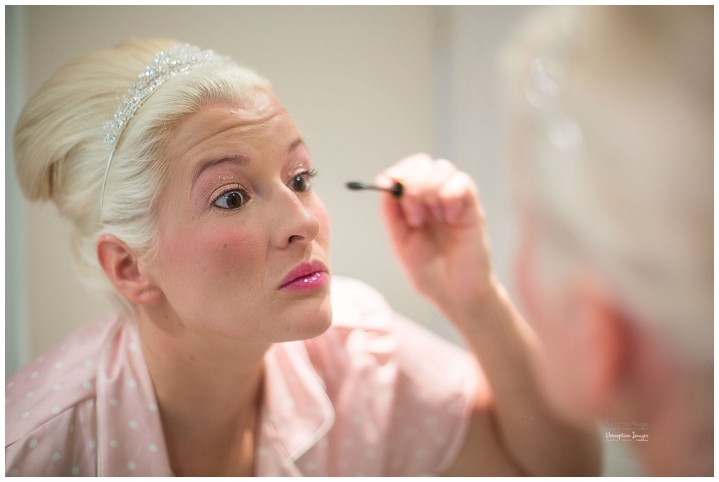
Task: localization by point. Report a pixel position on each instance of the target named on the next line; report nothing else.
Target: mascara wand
(395, 190)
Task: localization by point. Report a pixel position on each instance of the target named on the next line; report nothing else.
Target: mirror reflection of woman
(236, 351)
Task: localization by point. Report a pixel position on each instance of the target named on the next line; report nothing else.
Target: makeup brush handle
(395, 190)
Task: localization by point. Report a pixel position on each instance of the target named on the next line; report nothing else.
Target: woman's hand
(437, 232)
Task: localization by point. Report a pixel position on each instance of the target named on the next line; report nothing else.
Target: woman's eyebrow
(239, 160)
(297, 142)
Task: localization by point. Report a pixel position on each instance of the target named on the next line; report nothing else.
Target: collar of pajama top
(296, 411)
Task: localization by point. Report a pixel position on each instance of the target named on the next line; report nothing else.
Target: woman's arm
(437, 233)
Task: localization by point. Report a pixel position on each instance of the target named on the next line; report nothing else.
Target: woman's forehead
(256, 109)
(257, 120)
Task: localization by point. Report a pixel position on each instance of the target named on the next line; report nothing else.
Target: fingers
(434, 191)
(459, 199)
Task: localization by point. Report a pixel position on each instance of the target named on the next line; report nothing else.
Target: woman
(231, 356)
(614, 161)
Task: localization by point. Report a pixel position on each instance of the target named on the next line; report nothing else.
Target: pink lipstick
(305, 276)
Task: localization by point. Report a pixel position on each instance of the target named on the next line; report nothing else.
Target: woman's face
(561, 368)
(243, 248)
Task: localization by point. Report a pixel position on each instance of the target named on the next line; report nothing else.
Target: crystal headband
(178, 59)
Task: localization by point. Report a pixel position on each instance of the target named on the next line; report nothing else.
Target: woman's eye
(301, 182)
(231, 200)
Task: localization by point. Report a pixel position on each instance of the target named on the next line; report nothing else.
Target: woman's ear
(124, 271)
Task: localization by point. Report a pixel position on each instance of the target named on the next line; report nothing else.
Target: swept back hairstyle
(613, 157)
(60, 154)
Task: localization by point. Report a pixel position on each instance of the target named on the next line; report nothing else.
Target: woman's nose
(294, 221)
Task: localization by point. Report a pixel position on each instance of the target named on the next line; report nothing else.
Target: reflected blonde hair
(60, 154)
(613, 157)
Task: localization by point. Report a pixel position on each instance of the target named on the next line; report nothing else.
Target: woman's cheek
(524, 278)
(536, 304)
(231, 251)
(210, 253)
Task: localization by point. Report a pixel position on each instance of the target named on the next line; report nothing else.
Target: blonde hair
(60, 154)
(614, 157)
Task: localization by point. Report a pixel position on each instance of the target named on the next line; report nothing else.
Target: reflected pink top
(374, 395)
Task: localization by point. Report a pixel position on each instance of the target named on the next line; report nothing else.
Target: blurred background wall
(366, 86)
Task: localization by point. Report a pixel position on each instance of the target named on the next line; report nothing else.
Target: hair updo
(60, 153)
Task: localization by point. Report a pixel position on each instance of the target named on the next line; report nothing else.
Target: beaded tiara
(178, 59)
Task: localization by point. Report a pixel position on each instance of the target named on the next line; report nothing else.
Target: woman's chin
(308, 322)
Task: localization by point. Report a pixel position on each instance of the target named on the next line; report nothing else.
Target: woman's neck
(209, 391)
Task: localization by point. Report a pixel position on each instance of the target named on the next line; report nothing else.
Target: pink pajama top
(375, 395)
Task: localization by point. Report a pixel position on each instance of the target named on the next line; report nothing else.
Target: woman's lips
(306, 276)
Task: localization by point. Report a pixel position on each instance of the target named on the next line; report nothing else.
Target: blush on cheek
(210, 254)
(233, 252)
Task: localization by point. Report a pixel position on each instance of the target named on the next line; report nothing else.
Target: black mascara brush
(395, 190)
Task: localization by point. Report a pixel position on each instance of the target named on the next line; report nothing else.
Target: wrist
(476, 310)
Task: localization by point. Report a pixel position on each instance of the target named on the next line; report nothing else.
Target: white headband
(178, 59)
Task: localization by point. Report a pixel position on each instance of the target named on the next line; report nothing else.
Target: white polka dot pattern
(45, 404)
